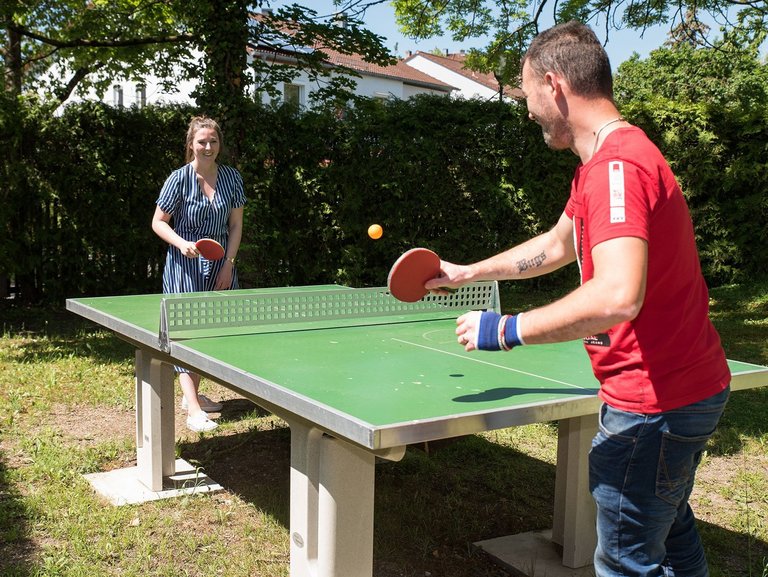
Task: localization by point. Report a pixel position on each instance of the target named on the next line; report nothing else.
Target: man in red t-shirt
(641, 310)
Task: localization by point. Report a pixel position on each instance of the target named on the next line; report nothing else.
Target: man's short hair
(573, 51)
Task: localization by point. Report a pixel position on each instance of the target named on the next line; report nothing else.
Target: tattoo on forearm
(535, 262)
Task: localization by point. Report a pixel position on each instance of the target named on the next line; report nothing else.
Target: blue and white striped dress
(195, 217)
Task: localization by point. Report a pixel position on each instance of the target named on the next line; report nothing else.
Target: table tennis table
(358, 376)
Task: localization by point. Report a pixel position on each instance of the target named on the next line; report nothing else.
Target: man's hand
(466, 329)
(452, 276)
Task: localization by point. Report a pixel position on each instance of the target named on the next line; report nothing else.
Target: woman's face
(205, 145)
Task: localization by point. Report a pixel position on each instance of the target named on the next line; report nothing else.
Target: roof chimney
(446, 52)
(340, 19)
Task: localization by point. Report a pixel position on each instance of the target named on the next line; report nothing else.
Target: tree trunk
(13, 63)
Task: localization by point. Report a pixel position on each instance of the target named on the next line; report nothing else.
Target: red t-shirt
(670, 355)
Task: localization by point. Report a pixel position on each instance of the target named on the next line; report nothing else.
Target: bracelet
(512, 336)
(231, 259)
(501, 333)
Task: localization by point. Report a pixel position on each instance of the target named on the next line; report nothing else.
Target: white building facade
(469, 84)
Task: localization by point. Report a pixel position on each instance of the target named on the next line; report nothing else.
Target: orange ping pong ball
(375, 231)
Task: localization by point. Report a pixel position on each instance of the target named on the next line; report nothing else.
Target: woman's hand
(224, 278)
(188, 249)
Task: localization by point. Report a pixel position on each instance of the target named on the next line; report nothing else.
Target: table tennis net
(186, 315)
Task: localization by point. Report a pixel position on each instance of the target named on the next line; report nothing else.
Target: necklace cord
(600, 130)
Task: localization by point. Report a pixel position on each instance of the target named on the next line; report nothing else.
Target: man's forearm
(535, 257)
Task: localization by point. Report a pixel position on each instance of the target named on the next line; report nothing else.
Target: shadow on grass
(732, 554)
(433, 505)
(16, 549)
(254, 464)
(744, 417)
(429, 507)
(99, 345)
(739, 313)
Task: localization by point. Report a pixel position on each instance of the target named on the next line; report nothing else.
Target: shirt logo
(599, 340)
(616, 190)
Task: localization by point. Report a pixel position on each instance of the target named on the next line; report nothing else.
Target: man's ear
(553, 82)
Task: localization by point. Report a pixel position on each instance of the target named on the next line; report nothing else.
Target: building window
(141, 95)
(117, 95)
(293, 94)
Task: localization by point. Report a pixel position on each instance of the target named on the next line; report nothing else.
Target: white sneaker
(206, 404)
(200, 423)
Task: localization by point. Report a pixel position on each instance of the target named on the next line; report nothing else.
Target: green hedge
(465, 178)
(720, 158)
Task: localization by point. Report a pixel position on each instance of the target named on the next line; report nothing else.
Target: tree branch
(79, 74)
(89, 43)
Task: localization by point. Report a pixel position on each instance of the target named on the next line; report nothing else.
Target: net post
(496, 298)
(163, 338)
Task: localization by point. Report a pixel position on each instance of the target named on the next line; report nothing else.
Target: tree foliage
(65, 45)
(707, 108)
(511, 24)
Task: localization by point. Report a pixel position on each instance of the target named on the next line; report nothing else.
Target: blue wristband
(488, 331)
(497, 332)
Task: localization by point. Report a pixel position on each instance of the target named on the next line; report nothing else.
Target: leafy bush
(465, 178)
(707, 109)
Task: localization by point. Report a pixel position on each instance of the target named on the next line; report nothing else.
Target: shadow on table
(500, 393)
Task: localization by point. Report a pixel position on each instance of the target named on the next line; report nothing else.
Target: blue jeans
(641, 472)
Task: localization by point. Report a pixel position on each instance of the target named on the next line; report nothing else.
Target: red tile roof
(399, 71)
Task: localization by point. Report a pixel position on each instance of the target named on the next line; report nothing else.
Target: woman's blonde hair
(196, 124)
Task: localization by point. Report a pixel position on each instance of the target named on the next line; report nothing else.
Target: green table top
(380, 384)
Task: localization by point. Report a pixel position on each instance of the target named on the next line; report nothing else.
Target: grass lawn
(66, 398)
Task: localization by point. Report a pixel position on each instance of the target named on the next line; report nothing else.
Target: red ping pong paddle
(409, 273)
(210, 249)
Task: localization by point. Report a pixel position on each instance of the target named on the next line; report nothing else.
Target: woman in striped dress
(203, 199)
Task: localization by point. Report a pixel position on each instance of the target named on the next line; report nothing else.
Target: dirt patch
(91, 425)
(708, 499)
